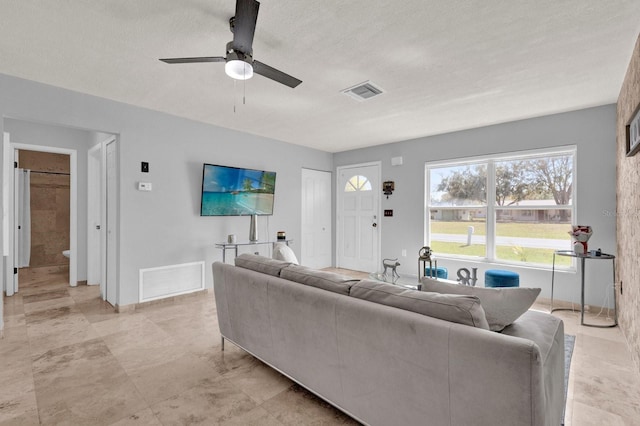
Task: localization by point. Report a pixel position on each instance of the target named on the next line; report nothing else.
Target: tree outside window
(529, 211)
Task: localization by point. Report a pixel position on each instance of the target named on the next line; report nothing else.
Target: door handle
(375, 225)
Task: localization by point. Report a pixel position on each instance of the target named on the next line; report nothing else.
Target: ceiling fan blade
(194, 60)
(275, 75)
(244, 26)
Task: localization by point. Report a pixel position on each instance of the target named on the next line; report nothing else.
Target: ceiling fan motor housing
(233, 54)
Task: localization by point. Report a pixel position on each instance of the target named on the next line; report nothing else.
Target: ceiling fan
(239, 62)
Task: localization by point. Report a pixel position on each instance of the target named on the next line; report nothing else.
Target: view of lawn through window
(508, 208)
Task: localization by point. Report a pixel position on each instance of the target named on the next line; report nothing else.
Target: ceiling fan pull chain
(234, 96)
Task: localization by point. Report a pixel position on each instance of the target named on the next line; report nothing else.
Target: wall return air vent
(363, 91)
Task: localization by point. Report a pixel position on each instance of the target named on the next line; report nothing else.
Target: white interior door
(111, 222)
(316, 219)
(358, 216)
(94, 211)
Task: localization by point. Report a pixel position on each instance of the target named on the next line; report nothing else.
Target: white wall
(163, 227)
(591, 130)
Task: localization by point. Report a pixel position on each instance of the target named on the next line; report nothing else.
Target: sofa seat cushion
(502, 306)
(261, 264)
(460, 309)
(325, 280)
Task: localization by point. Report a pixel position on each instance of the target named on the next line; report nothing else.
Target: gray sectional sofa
(383, 354)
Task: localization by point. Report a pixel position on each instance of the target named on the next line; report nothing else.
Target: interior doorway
(75, 143)
(42, 215)
(48, 253)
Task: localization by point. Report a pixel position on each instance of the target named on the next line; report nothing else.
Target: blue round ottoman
(501, 278)
(438, 272)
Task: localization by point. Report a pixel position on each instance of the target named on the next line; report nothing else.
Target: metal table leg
(615, 306)
(553, 278)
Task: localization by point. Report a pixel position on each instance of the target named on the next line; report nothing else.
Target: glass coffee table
(410, 283)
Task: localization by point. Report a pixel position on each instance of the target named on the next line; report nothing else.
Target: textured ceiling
(445, 65)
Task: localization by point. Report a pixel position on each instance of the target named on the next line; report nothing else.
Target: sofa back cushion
(261, 264)
(321, 279)
(460, 309)
(502, 305)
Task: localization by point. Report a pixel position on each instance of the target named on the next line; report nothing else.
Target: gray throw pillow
(462, 309)
(325, 280)
(261, 264)
(502, 306)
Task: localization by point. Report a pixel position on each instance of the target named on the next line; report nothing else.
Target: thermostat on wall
(144, 186)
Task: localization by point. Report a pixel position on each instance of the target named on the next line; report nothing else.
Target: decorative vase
(253, 229)
(581, 235)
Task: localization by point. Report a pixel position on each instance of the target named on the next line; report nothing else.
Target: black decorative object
(388, 187)
(633, 133)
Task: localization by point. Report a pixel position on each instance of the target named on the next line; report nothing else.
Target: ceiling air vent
(363, 91)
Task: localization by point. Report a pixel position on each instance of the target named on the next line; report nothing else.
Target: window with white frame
(509, 208)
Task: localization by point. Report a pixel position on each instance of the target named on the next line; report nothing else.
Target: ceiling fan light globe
(240, 70)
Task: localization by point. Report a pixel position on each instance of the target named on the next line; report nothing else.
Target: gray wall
(163, 227)
(591, 130)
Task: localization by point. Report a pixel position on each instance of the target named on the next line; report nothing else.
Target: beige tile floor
(67, 358)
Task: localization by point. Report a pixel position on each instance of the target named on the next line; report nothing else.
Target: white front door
(358, 217)
(316, 219)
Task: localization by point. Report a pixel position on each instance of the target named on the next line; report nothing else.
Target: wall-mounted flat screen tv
(233, 191)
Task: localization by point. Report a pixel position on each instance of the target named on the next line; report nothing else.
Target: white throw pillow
(281, 251)
(502, 306)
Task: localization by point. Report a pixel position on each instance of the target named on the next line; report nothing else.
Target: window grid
(492, 209)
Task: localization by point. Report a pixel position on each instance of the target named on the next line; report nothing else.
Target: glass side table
(583, 257)
(234, 246)
(411, 284)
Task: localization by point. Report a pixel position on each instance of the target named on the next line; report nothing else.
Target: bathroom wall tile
(44, 161)
(41, 198)
(42, 221)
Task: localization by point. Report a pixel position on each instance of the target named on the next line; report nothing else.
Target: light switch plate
(144, 186)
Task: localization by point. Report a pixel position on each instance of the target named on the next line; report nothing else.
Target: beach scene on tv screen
(230, 191)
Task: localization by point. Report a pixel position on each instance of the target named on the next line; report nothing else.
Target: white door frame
(108, 223)
(339, 192)
(97, 184)
(73, 202)
(7, 207)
